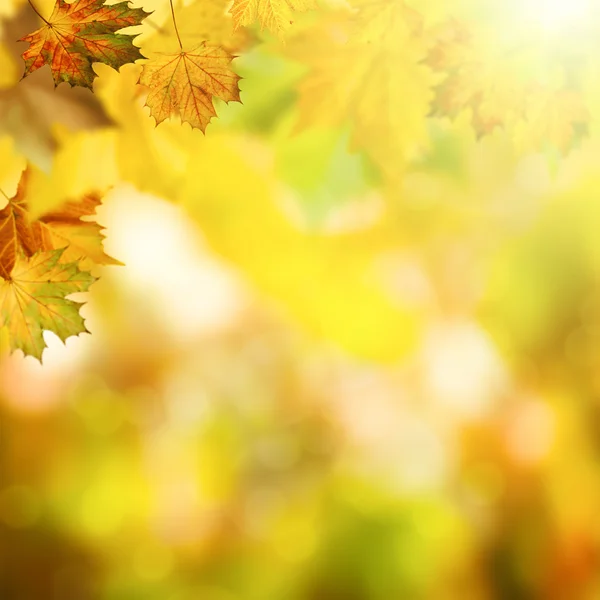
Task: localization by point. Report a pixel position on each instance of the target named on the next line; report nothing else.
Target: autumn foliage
(385, 71)
(299, 299)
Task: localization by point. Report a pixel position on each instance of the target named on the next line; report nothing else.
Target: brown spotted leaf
(82, 33)
(185, 83)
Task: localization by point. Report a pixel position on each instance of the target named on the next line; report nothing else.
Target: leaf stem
(37, 12)
(174, 23)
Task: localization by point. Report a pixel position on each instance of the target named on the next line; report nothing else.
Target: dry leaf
(184, 84)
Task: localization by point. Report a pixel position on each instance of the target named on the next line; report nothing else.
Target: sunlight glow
(558, 15)
(166, 258)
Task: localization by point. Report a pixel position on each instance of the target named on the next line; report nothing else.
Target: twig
(37, 12)
(175, 24)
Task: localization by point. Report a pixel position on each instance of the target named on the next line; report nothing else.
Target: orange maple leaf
(61, 228)
(184, 84)
(79, 34)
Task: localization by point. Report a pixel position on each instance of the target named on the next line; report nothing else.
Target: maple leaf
(30, 110)
(501, 89)
(62, 228)
(487, 86)
(79, 34)
(33, 299)
(184, 84)
(368, 72)
(201, 21)
(555, 118)
(275, 15)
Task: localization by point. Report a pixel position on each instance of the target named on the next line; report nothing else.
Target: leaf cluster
(388, 73)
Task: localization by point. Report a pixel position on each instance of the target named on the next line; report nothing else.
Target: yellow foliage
(327, 281)
(197, 22)
(368, 72)
(184, 83)
(275, 15)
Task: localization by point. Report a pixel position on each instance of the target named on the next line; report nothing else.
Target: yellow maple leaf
(556, 118)
(367, 71)
(503, 86)
(184, 84)
(201, 21)
(275, 15)
(33, 300)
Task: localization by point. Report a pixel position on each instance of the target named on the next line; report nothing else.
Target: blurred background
(334, 366)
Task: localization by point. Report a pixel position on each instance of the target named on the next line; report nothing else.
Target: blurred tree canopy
(351, 352)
